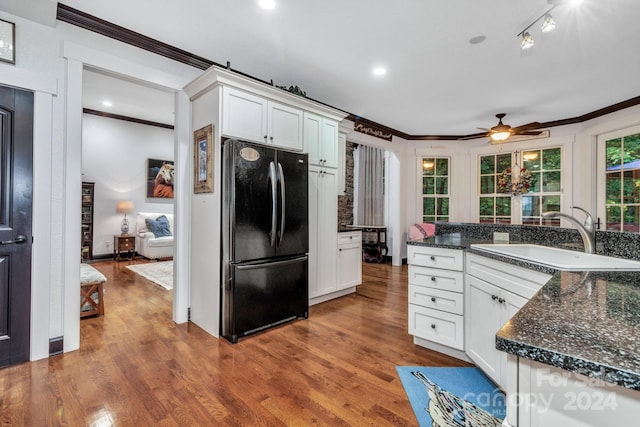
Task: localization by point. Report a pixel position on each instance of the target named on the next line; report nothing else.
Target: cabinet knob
(433, 258)
(433, 278)
(265, 137)
(433, 299)
(494, 297)
(271, 138)
(433, 326)
(340, 249)
(501, 300)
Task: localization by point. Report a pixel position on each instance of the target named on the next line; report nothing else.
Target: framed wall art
(203, 160)
(160, 178)
(7, 42)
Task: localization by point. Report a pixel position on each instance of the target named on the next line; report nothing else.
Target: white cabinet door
(284, 126)
(323, 218)
(329, 143)
(483, 320)
(321, 140)
(349, 265)
(244, 115)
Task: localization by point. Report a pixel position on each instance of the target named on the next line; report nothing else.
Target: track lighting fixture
(548, 23)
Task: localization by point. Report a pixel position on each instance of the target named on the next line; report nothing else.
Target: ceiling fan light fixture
(501, 135)
(548, 24)
(527, 41)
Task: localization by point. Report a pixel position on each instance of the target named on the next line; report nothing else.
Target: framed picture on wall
(203, 160)
(7, 41)
(160, 178)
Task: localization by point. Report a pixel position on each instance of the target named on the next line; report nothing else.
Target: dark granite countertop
(587, 322)
(584, 322)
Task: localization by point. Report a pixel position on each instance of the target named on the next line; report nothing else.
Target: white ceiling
(437, 82)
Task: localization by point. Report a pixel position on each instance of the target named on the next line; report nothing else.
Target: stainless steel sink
(560, 259)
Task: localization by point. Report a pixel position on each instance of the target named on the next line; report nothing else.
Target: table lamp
(124, 207)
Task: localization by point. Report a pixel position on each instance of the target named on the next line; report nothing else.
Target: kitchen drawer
(349, 237)
(451, 302)
(518, 280)
(436, 278)
(452, 259)
(437, 326)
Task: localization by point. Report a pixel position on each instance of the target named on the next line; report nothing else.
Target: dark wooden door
(16, 192)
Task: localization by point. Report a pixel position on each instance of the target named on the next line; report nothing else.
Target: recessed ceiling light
(107, 104)
(379, 71)
(267, 4)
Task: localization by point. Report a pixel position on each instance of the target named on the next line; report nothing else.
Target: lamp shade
(125, 207)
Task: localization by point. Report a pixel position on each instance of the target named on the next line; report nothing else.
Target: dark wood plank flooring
(136, 367)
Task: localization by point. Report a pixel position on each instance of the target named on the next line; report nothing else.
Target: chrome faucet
(587, 230)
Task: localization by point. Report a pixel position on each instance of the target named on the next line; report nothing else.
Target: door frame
(76, 58)
(44, 87)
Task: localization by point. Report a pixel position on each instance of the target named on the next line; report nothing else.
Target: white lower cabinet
(323, 234)
(349, 259)
(436, 298)
(494, 292)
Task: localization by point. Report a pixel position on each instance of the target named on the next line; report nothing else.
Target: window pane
(631, 145)
(613, 188)
(551, 159)
(443, 206)
(551, 181)
(503, 206)
(535, 182)
(442, 185)
(631, 188)
(486, 206)
(503, 161)
(613, 218)
(442, 166)
(487, 165)
(427, 218)
(487, 184)
(613, 152)
(428, 185)
(428, 166)
(631, 219)
(550, 204)
(428, 206)
(531, 160)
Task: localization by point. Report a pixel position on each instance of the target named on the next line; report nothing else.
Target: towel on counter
(421, 231)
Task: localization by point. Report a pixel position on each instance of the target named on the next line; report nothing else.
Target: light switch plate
(500, 237)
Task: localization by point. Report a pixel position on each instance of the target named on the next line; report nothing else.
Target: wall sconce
(125, 207)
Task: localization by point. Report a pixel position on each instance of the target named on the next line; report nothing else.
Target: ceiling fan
(502, 132)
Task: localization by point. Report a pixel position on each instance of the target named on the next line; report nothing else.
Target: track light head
(548, 24)
(527, 41)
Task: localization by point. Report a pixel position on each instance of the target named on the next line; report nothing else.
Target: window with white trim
(545, 195)
(495, 207)
(619, 180)
(434, 181)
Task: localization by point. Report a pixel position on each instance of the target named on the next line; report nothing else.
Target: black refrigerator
(265, 238)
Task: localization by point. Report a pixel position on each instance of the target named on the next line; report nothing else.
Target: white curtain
(370, 202)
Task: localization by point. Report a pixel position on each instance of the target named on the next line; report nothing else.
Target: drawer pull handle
(433, 278)
(494, 297)
(501, 300)
(432, 258)
(340, 249)
(433, 299)
(433, 326)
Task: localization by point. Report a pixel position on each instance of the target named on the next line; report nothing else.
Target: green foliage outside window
(622, 192)
(435, 189)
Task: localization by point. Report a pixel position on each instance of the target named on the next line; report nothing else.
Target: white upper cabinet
(253, 118)
(321, 140)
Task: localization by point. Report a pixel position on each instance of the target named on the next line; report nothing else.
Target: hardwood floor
(137, 367)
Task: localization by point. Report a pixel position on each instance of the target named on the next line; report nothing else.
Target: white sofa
(147, 244)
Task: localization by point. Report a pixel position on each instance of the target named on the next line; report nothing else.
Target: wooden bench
(91, 291)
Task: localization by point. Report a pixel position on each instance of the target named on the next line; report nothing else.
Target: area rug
(457, 397)
(158, 272)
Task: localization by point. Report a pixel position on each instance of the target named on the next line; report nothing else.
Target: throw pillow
(159, 226)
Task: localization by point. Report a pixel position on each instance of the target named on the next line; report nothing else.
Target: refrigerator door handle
(257, 265)
(274, 201)
(282, 202)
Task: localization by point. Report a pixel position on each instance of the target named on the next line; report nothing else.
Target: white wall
(114, 156)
